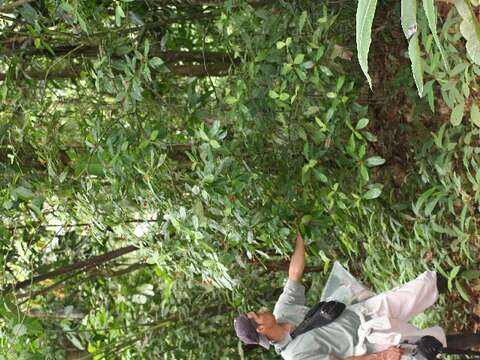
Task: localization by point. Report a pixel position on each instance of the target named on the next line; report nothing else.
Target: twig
(9, 8)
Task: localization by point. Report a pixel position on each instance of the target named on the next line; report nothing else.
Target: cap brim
(263, 341)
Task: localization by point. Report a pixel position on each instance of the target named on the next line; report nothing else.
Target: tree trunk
(219, 69)
(59, 315)
(93, 50)
(80, 265)
(43, 75)
(61, 283)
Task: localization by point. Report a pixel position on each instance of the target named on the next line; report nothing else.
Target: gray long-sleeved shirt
(337, 338)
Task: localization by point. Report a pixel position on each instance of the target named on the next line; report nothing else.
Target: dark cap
(247, 332)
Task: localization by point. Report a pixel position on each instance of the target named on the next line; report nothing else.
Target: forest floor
(402, 125)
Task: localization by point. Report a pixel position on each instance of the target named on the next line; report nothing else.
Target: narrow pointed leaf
(409, 18)
(429, 7)
(417, 68)
(409, 26)
(364, 20)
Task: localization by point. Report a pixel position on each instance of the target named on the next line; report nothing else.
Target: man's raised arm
(297, 261)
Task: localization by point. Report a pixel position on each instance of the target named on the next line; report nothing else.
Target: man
(369, 330)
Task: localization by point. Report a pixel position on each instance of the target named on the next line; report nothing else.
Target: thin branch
(9, 8)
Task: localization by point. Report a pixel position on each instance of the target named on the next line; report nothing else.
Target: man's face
(264, 319)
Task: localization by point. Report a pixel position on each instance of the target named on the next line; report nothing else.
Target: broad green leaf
(230, 100)
(372, 193)
(155, 62)
(23, 193)
(375, 161)
(19, 330)
(214, 144)
(457, 114)
(470, 29)
(475, 115)
(298, 59)
(362, 123)
(471, 275)
(273, 94)
(364, 19)
(429, 7)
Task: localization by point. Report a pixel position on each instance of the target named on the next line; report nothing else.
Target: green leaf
(214, 144)
(230, 100)
(273, 94)
(364, 173)
(372, 193)
(23, 193)
(119, 14)
(417, 69)
(19, 330)
(461, 291)
(429, 8)
(155, 62)
(475, 115)
(306, 219)
(364, 19)
(301, 22)
(82, 23)
(75, 341)
(457, 114)
(409, 17)
(362, 123)
(375, 161)
(454, 272)
(470, 29)
(471, 275)
(298, 59)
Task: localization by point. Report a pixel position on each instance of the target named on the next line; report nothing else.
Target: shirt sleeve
(306, 356)
(293, 294)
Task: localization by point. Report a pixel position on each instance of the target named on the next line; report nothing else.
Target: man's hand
(297, 261)
(392, 353)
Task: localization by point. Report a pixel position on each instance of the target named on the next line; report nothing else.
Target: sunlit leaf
(364, 19)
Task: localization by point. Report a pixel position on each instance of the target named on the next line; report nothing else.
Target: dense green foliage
(156, 155)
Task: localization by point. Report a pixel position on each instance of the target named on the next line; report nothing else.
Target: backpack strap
(319, 315)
